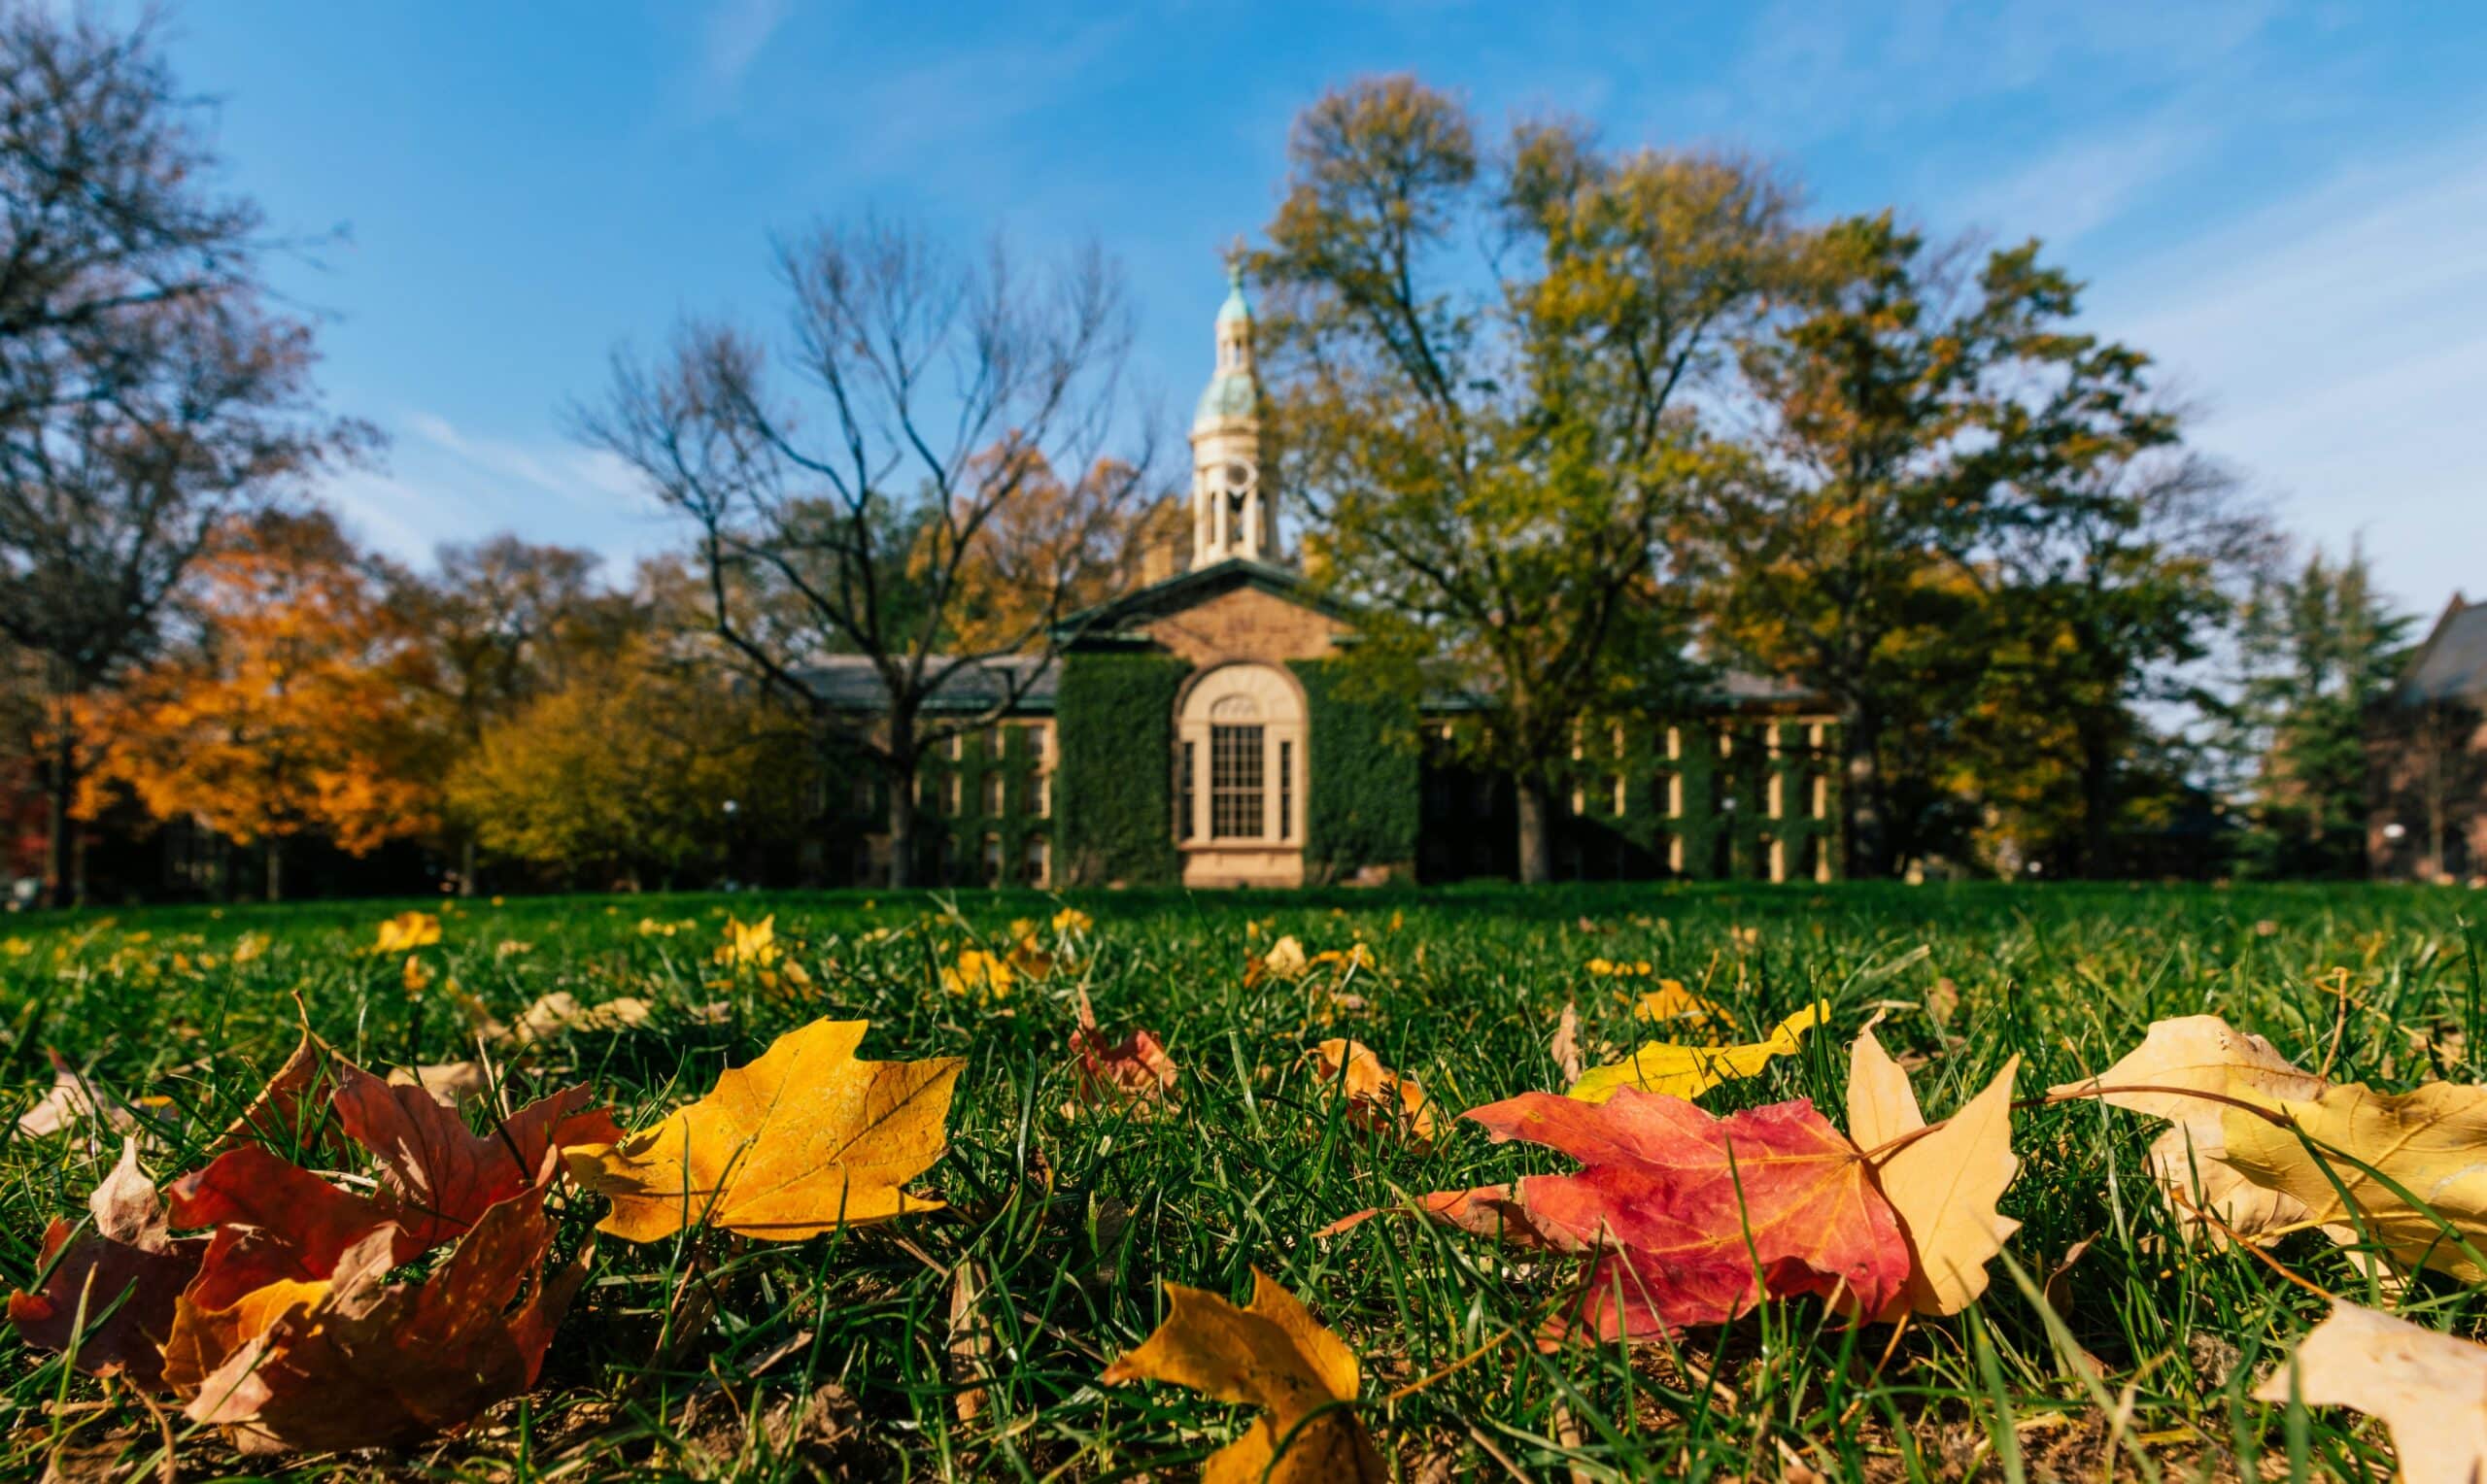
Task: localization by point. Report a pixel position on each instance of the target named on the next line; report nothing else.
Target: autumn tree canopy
(1486, 363)
(302, 703)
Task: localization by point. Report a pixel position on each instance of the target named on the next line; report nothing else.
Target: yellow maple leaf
(1942, 1186)
(2430, 1143)
(1273, 1355)
(1671, 1000)
(407, 931)
(986, 976)
(1071, 920)
(2424, 1385)
(1689, 1072)
(804, 1139)
(749, 943)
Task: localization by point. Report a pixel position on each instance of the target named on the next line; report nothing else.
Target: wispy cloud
(1813, 68)
(2336, 337)
(737, 32)
(2089, 181)
(443, 484)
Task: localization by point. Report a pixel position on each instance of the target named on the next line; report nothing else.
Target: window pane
(1234, 774)
(1286, 790)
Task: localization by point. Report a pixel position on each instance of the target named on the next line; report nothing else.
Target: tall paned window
(1236, 772)
(1241, 762)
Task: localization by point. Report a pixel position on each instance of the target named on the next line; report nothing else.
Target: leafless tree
(864, 495)
(147, 392)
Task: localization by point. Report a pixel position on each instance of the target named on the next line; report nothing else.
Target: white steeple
(1234, 514)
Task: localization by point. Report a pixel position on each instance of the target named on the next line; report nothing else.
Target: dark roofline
(1179, 590)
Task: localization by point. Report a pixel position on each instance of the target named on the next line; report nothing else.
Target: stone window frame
(1247, 694)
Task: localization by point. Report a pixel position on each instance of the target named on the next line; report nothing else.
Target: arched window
(1240, 758)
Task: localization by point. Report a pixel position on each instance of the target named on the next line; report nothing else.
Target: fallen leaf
(2429, 1388)
(1693, 1218)
(1273, 1355)
(275, 1221)
(1689, 1072)
(1378, 1100)
(75, 1099)
(128, 1272)
(366, 1363)
(2189, 1161)
(407, 931)
(2431, 1142)
(1133, 1072)
(804, 1139)
(1942, 1185)
(984, 976)
(437, 1177)
(1286, 960)
(1671, 1000)
(970, 1342)
(559, 1013)
(749, 943)
(451, 1084)
(1565, 1048)
(285, 1114)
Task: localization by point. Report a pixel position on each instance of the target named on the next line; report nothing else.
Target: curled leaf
(1273, 1355)
(1378, 1101)
(1689, 1072)
(1943, 1185)
(1133, 1072)
(128, 1273)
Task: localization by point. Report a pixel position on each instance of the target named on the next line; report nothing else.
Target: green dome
(1230, 395)
(1236, 306)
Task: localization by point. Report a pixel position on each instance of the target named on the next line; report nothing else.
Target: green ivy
(1115, 722)
(1364, 808)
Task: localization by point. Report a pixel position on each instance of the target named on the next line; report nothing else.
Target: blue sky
(2286, 203)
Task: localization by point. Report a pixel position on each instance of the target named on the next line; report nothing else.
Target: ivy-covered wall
(955, 819)
(1723, 830)
(1115, 722)
(1363, 809)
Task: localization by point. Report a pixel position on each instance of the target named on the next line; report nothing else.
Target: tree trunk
(276, 868)
(466, 867)
(1860, 799)
(1535, 832)
(61, 886)
(900, 770)
(2097, 805)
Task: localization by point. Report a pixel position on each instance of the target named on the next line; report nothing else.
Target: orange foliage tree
(301, 706)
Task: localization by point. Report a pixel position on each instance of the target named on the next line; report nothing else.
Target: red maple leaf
(1693, 1219)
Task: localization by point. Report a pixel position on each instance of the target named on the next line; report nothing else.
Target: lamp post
(733, 811)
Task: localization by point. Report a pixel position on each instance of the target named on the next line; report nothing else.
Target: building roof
(1185, 589)
(850, 683)
(2452, 663)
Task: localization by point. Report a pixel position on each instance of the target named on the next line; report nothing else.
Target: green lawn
(695, 1359)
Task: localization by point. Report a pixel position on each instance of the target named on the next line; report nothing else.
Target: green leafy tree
(2319, 651)
(1910, 413)
(1497, 450)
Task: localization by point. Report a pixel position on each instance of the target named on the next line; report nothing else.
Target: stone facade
(1246, 624)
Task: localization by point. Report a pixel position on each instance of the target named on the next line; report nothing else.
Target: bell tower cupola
(1234, 512)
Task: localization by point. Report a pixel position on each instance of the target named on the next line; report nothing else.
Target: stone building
(1191, 733)
(2426, 757)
